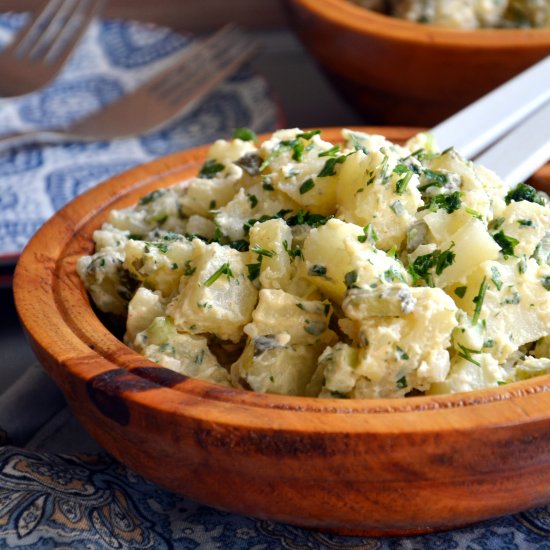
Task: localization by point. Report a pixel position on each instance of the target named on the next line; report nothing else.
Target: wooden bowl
(355, 466)
(399, 72)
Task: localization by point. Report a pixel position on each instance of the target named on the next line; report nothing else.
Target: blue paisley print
(130, 46)
(113, 58)
(65, 101)
(66, 183)
(53, 501)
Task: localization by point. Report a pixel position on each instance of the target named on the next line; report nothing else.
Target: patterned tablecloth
(51, 494)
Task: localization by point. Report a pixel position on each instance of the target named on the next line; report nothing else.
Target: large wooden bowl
(400, 72)
(358, 466)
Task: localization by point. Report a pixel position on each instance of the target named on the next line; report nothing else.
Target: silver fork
(40, 49)
(159, 100)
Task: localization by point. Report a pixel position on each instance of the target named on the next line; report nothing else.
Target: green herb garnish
(245, 134)
(478, 300)
(308, 185)
(449, 203)
(210, 168)
(224, 269)
(524, 192)
(506, 243)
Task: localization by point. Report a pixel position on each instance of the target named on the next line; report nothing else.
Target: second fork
(40, 49)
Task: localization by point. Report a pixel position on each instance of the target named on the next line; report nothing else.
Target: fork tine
(25, 37)
(54, 26)
(220, 54)
(71, 32)
(222, 62)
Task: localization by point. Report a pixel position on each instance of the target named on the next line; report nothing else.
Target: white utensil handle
(474, 128)
(525, 149)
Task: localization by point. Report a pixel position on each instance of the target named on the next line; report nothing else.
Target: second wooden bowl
(355, 466)
(400, 72)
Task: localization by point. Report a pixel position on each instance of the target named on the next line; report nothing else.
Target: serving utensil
(41, 48)
(160, 99)
(518, 110)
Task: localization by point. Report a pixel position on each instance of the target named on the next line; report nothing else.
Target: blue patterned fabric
(113, 58)
(52, 501)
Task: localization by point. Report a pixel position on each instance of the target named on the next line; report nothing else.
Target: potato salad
(467, 14)
(361, 269)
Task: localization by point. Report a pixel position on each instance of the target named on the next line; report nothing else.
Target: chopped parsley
(291, 253)
(152, 196)
(438, 260)
(526, 223)
(496, 277)
(309, 135)
(524, 192)
(188, 269)
(449, 203)
(262, 251)
(240, 244)
(545, 281)
(444, 260)
(329, 169)
(401, 383)
(210, 168)
(402, 355)
(433, 179)
(333, 151)
(369, 234)
(308, 185)
(253, 200)
(466, 353)
(506, 243)
(478, 300)
(267, 184)
(513, 299)
(224, 269)
(474, 213)
(406, 173)
(460, 291)
(254, 270)
(303, 217)
(245, 134)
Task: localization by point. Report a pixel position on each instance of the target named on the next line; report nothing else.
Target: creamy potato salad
(467, 14)
(304, 267)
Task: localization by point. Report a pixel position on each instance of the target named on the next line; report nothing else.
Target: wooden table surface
(194, 15)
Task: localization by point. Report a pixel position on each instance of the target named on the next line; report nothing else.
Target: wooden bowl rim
(45, 276)
(364, 21)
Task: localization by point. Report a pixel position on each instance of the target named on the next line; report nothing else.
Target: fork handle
(17, 139)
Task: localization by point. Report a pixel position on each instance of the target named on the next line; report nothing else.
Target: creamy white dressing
(302, 267)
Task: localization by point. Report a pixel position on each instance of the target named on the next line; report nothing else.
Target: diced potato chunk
(472, 246)
(268, 365)
(159, 265)
(218, 298)
(183, 353)
(515, 308)
(333, 251)
(277, 312)
(369, 192)
(143, 308)
(528, 223)
(267, 248)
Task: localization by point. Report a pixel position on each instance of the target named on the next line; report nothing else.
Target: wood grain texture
(399, 72)
(389, 466)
